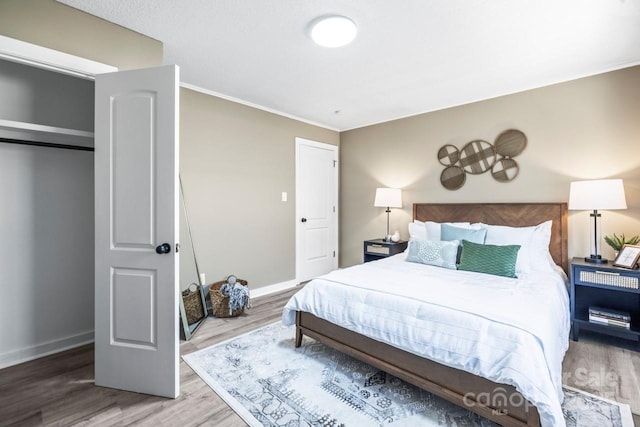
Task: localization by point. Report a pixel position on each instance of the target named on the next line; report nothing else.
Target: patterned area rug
(268, 382)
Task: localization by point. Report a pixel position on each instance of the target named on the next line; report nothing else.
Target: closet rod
(45, 144)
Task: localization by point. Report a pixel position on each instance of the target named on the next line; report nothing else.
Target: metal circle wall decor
(479, 156)
(448, 155)
(453, 177)
(510, 143)
(505, 170)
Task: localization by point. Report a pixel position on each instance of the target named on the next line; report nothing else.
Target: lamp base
(596, 259)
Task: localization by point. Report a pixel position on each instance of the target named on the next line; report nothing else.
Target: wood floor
(58, 390)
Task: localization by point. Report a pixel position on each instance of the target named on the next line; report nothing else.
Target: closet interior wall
(46, 217)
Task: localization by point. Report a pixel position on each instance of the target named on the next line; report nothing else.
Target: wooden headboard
(511, 214)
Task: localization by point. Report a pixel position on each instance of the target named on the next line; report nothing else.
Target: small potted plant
(617, 242)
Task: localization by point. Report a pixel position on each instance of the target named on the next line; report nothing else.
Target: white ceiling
(410, 56)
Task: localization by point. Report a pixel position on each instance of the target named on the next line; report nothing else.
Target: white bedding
(513, 331)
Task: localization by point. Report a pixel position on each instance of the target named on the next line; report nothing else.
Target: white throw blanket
(512, 331)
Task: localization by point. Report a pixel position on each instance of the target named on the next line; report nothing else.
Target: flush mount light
(333, 31)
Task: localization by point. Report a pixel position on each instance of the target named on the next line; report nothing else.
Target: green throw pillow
(489, 259)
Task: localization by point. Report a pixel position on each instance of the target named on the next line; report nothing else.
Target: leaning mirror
(193, 309)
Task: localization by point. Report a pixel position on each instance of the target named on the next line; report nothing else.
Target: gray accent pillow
(434, 252)
(449, 232)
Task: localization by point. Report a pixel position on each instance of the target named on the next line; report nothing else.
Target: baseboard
(26, 354)
(272, 289)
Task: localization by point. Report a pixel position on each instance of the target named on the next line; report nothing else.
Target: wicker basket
(193, 305)
(220, 303)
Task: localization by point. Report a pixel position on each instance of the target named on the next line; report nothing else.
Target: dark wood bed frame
(500, 403)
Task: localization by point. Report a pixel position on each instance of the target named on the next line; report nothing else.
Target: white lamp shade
(605, 194)
(388, 198)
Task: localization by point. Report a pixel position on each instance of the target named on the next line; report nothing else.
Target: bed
(495, 395)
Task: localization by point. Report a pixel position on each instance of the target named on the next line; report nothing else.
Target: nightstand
(378, 249)
(604, 287)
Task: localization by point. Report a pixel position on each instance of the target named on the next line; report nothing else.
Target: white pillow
(539, 254)
(430, 230)
(417, 231)
(534, 244)
(541, 259)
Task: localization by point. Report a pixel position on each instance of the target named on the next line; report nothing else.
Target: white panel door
(136, 202)
(317, 208)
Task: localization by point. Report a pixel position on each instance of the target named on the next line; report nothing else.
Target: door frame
(48, 59)
(55, 61)
(298, 225)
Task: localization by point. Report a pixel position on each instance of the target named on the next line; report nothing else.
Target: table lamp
(606, 194)
(388, 198)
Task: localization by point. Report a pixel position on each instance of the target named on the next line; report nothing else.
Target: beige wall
(56, 26)
(584, 129)
(235, 161)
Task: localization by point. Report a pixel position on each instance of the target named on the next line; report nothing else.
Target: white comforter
(513, 331)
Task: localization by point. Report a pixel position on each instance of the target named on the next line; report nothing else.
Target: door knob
(304, 220)
(164, 248)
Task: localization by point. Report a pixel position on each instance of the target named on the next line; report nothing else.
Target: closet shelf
(46, 134)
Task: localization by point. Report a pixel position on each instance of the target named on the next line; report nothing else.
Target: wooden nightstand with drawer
(378, 248)
(604, 298)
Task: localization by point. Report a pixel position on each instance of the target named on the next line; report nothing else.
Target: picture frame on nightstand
(628, 257)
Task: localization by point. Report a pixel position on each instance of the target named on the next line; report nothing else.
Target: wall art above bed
(479, 156)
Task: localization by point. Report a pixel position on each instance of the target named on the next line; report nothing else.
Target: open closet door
(136, 202)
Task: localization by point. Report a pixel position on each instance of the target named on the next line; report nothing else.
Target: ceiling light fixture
(333, 31)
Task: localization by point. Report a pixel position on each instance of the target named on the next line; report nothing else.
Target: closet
(46, 212)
